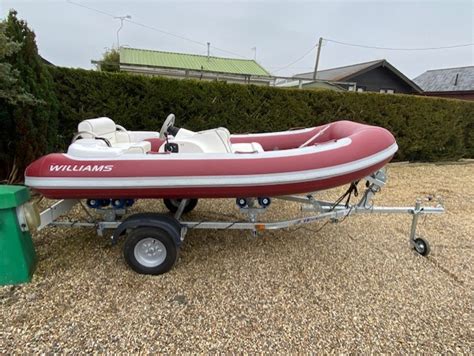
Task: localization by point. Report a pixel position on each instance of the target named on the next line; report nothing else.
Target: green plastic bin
(17, 252)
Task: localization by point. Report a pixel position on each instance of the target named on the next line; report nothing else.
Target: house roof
(144, 57)
(339, 73)
(346, 73)
(447, 79)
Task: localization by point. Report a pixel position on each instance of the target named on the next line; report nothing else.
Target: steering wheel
(166, 125)
(80, 133)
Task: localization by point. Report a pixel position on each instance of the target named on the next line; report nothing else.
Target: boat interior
(102, 138)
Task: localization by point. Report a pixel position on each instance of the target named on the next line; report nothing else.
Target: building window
(387, 91)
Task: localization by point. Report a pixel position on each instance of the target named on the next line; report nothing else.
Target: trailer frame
(252, 208)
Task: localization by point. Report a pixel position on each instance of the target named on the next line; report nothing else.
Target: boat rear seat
(91, 148)
(127, 141)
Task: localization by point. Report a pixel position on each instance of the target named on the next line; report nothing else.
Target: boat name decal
(80, 168)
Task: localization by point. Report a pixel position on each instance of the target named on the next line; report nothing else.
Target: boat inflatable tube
(267, 164)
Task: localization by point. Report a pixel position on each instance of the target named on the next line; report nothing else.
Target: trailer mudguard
(165, 222)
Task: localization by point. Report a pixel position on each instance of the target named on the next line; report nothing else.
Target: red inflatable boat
(107, 161)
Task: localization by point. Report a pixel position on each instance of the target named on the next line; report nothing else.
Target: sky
(282, 31)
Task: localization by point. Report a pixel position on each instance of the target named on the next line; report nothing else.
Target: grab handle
(315, 136)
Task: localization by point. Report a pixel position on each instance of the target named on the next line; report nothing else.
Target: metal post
(414, 222)
(181, 207)
(121, 18)
(317, 58)
(118, 32)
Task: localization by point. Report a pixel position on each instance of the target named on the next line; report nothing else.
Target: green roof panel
(143, 57)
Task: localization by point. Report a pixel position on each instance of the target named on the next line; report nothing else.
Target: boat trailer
(153, 239)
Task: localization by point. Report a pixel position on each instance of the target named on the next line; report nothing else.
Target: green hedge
(427, 129)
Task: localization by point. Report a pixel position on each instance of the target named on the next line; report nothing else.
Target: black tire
(264, 202)
(241, 202)
(421, 246)
(173, 204)
(135, 243)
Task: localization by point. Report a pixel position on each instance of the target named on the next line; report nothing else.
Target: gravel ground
(351, 287)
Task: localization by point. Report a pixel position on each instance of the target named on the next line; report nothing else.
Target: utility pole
(208, 50)
(121, 18)
(317, 58)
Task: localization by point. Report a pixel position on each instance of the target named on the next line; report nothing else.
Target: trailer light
(28, 216)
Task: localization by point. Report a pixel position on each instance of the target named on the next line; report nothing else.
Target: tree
(8, 77)
(9, 91)
(28, 105)
(110, 61)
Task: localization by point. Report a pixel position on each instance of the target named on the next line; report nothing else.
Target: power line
(154, 28)
(136, 23)
(399, 49)
(299, 59)
(183, 38)
(90, 8)
(373, 47)
(228, 52)
(166, 32)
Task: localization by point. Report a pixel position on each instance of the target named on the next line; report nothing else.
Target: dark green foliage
(110, 61)
(427, 129)
(27, 127)
(10, 92)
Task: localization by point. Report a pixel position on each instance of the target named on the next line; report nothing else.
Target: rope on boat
(351, 190)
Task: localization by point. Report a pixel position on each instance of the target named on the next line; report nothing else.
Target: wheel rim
(150, 252)
(420, 247)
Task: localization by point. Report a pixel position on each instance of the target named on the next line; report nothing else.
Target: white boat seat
(130, 141)
(214, 140)
(92, 148)
(208, 141)
(103, 127)
(211, 141)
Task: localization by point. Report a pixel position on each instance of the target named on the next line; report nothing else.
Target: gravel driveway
(351, 287)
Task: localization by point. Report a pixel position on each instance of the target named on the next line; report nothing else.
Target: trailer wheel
(150, 250)
(421, 246)
(173, 204)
